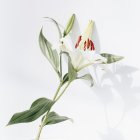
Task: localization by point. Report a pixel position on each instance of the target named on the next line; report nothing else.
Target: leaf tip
(9, 123)
(71, 120)
(121, 57)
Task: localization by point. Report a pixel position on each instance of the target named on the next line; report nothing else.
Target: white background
(110, 110)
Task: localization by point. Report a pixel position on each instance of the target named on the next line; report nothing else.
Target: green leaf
(54, 118)
(111, 58)
(72, 74)
(87, 77)
(65, 78)
(69, 25)
(57, 26)
(49, 53)
(37, 109)
(71, 71)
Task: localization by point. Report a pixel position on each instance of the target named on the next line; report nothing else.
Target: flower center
(87, 44)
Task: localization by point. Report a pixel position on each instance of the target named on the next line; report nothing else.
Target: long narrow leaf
(71, 71)
(72, 74)
(50, 53)
(87, 77)
(54, 118)
(111, 58)
(37, 109)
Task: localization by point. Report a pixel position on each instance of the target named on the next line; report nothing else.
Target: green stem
(57, 91)
(61, 66)
(62, 92)
(55, 98)
(39, 132)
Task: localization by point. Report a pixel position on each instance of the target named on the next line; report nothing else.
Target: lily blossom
(83, 55)
(84, 41)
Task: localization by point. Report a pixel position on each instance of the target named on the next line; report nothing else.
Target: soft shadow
(119, 80)
(112, 134)
(115, 80)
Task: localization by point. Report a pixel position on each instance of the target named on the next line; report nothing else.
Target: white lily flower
(83, 55)
(85, 42)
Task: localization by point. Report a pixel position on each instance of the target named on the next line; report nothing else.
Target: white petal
(92, 56)
(91, 60)
(77, 59)
(98, 59)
